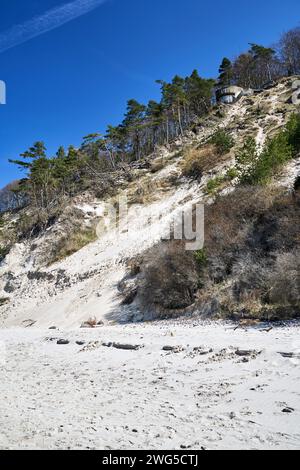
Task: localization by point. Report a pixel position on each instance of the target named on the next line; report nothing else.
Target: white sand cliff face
(94, 397)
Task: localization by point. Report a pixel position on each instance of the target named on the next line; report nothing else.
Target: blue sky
(76, 79)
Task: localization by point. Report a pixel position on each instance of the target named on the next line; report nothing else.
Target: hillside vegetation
(249, 267)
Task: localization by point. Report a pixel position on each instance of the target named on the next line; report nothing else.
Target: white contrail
(49, 20)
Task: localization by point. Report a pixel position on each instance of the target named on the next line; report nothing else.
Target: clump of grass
(219, 182)
(197, 161)
(215, 184)
(231, 173)
(201, 257)
(192, 165)
(71, 244)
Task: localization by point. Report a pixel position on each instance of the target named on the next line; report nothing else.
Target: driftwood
(126, 347)
(266, 330)
(175, 349)
(290, 355)
(247, 353)
(29, 323)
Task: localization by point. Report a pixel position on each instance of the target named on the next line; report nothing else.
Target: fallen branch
(289, 355)
(126, 347)
(243, 353)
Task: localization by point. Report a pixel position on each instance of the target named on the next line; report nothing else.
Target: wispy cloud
(48, 21)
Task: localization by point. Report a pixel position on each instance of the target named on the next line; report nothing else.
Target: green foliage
(3, 252)
(246, 159)
(261, 53)
(201, 259)
(277, 151)
(218, 182)
(201, 256)
(214, 184)
(226, 72)
(293, 132)
(254, 168)
(231, 174)
(223, 141)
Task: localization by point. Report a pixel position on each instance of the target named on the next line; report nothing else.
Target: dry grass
(197, 161)
(157, 165)
(71, 243)
(91, 322)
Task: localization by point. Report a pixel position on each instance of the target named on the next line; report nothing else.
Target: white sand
(56, 397)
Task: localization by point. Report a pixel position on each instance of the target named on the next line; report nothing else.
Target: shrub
(157, 165)
(293, 132)
(223, 142)
(252, 249)
(170, 278)
(35, 221)
(254, 168)
(200, 257)
(249, 267)
(283, 280)
(276, 152)
(246, 159)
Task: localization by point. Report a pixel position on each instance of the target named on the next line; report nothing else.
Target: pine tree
(133, 123)
(226, 72)
(263, 57)
(199, 94)
(61, 153)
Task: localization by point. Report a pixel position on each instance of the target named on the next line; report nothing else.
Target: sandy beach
(203, 391)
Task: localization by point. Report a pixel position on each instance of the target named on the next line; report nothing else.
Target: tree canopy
(184, 100)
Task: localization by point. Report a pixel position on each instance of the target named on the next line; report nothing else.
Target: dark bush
(170, 278)
(249, 267)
